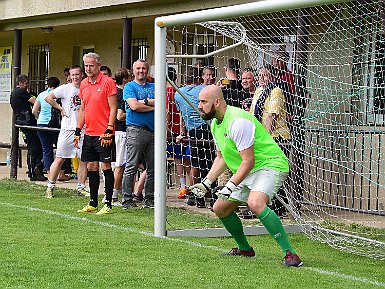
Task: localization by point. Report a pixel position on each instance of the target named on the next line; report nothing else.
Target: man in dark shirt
(232, 85)
(21, 103)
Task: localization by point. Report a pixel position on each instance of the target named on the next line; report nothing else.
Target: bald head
(212, 92)
(211, 102)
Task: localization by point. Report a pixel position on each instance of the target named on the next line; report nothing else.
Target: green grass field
(46, 244)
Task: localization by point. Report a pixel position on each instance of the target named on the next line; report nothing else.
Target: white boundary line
(195, 244)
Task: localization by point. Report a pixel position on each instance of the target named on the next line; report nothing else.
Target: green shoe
(105, 210)
(87, 209)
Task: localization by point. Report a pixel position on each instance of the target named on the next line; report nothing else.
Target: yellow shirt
(275, 103)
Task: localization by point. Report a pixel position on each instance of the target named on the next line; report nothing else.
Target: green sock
(274, 226)
(233, 225)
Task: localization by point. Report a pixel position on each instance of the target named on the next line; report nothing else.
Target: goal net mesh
(328, 61)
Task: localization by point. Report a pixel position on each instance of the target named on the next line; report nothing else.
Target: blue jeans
(47, 139)
(140, 146)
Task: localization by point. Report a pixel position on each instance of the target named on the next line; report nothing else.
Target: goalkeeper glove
(106, 137)
(201, 189)
(226, 191)
(77, 137)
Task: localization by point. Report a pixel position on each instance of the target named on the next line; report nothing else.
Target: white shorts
(263, 180)
(65, 145)
(121, 150)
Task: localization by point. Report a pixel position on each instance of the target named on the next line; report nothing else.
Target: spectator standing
(70, 104)
(21, 103)
(122, 76)
(97, 111)
(259, 168)
(285, 80)
(139, 97)
(198, 132)
(179, 152)
(269, 108)
(248, 88)
(231, 85)
(43, 110)
(106, 70)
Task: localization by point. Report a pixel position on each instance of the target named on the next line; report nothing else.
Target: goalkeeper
(259, 169)
(97, 111)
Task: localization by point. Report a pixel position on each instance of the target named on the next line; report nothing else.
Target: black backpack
(55, 121)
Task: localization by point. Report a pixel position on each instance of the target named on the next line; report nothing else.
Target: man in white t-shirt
(69, 95)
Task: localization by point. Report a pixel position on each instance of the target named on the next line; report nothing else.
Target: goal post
(161, 24)
(327, 60)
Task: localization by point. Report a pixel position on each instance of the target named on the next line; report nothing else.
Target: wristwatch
(145, 101)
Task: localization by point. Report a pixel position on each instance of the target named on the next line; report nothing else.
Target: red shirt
(96, 108)
(173, 122)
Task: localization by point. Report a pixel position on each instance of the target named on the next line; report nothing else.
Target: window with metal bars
(38, 56)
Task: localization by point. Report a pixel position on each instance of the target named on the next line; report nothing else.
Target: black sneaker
(128, 205)
(292, 260)
(191, 199)
(149, 202)
(201, 203)
(39, 175)
(237, 252)
(137, 199)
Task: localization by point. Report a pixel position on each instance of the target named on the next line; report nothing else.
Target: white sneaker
(116, 203)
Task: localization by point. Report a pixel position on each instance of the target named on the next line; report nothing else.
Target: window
(38, 56)
(139, 49)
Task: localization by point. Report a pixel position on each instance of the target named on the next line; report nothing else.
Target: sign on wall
(5, 73)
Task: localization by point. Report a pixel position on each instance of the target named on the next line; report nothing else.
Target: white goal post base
(222, 232)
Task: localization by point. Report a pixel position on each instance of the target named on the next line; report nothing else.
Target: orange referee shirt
(95, 98)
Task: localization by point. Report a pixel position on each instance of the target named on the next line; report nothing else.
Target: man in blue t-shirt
(139, 97)
(202, 152)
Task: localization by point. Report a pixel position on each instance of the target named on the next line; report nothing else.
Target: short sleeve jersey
(45, 108)
(274, 103)
(95, 99)
(173, 123)
(70, 101)
(139, 92)
(120, 125)
(240, 130)
(191, 118)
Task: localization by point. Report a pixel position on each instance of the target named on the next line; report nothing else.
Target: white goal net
(328, 61)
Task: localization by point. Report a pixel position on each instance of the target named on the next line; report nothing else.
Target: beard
(209, 115)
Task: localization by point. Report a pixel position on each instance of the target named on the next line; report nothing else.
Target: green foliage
(46, 244)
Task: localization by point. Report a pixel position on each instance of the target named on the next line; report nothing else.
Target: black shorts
(92, 151)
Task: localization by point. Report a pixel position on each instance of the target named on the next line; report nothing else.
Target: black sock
(94, 182)
(109, 185)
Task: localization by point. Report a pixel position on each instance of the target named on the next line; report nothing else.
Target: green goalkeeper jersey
(240, 130)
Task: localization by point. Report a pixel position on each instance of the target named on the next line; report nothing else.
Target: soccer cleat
(237, 252)
(83, 192)
(105, 210)
(104, 199)
(48, 193)
(292, 260)
(87, 209)
(182, 193)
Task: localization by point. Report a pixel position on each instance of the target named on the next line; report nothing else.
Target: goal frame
(161, 25)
